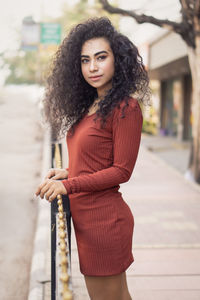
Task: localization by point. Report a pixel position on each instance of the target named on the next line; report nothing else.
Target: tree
(21, 67)
(79, 11)
(189, 30)
(33, 66)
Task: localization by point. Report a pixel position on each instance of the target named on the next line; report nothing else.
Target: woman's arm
(126, 141)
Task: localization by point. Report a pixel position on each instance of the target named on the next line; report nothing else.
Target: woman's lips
(95, 78)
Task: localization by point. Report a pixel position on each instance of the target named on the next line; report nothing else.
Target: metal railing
(61, 285)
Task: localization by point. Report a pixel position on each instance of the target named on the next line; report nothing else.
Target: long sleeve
(126, 142)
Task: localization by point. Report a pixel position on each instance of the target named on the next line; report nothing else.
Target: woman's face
(97, 64)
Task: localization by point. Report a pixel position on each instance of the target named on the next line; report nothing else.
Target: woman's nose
(93, 65)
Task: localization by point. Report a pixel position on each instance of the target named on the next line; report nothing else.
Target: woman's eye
(101, 57)
(84, 60)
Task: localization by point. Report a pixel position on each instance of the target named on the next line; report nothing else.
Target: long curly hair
(68, 96)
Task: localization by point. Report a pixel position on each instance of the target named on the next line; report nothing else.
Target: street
(20, 161)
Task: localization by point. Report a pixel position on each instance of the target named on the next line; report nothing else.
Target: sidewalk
(166, 243)
(175, 153)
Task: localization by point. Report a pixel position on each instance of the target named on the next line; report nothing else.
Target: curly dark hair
(68, 96)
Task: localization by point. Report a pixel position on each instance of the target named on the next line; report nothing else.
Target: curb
(38, 275)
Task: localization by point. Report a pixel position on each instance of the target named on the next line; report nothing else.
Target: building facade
(168, 64)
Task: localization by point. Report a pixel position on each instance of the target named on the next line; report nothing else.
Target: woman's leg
(107, 287)
(125, 291)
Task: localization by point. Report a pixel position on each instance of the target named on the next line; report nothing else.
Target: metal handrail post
(54, 211)
(61, 285)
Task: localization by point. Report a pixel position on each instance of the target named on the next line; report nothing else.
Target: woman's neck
(101, 92)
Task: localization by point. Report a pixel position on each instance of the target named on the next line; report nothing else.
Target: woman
(95, 72)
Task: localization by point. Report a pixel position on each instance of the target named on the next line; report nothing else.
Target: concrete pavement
(167, 232)
(166, 243)
(175, 153)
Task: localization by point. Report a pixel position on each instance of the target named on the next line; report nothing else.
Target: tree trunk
(194, 60)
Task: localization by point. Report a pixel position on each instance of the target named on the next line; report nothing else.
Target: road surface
(20, 163)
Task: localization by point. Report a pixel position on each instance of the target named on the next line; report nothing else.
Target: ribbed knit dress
(99, 160)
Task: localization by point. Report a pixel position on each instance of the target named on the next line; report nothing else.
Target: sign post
(50, 34)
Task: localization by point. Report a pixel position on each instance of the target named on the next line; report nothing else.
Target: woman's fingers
(57, 176)
(51, 188)
(45, 188)
(51, 173)
(61, 175)
(53, 196)
(49, 193)
(40, 187)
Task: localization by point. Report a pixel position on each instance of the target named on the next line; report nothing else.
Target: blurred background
(168, 167)
(32, 32)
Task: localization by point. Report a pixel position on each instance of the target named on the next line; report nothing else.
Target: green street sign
(50, 34)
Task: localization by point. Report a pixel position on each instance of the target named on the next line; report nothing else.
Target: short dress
(99, 160)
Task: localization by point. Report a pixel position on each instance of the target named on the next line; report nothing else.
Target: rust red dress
(99, 160)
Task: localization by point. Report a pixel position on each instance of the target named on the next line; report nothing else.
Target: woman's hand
(51, 189)
(57, 174)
